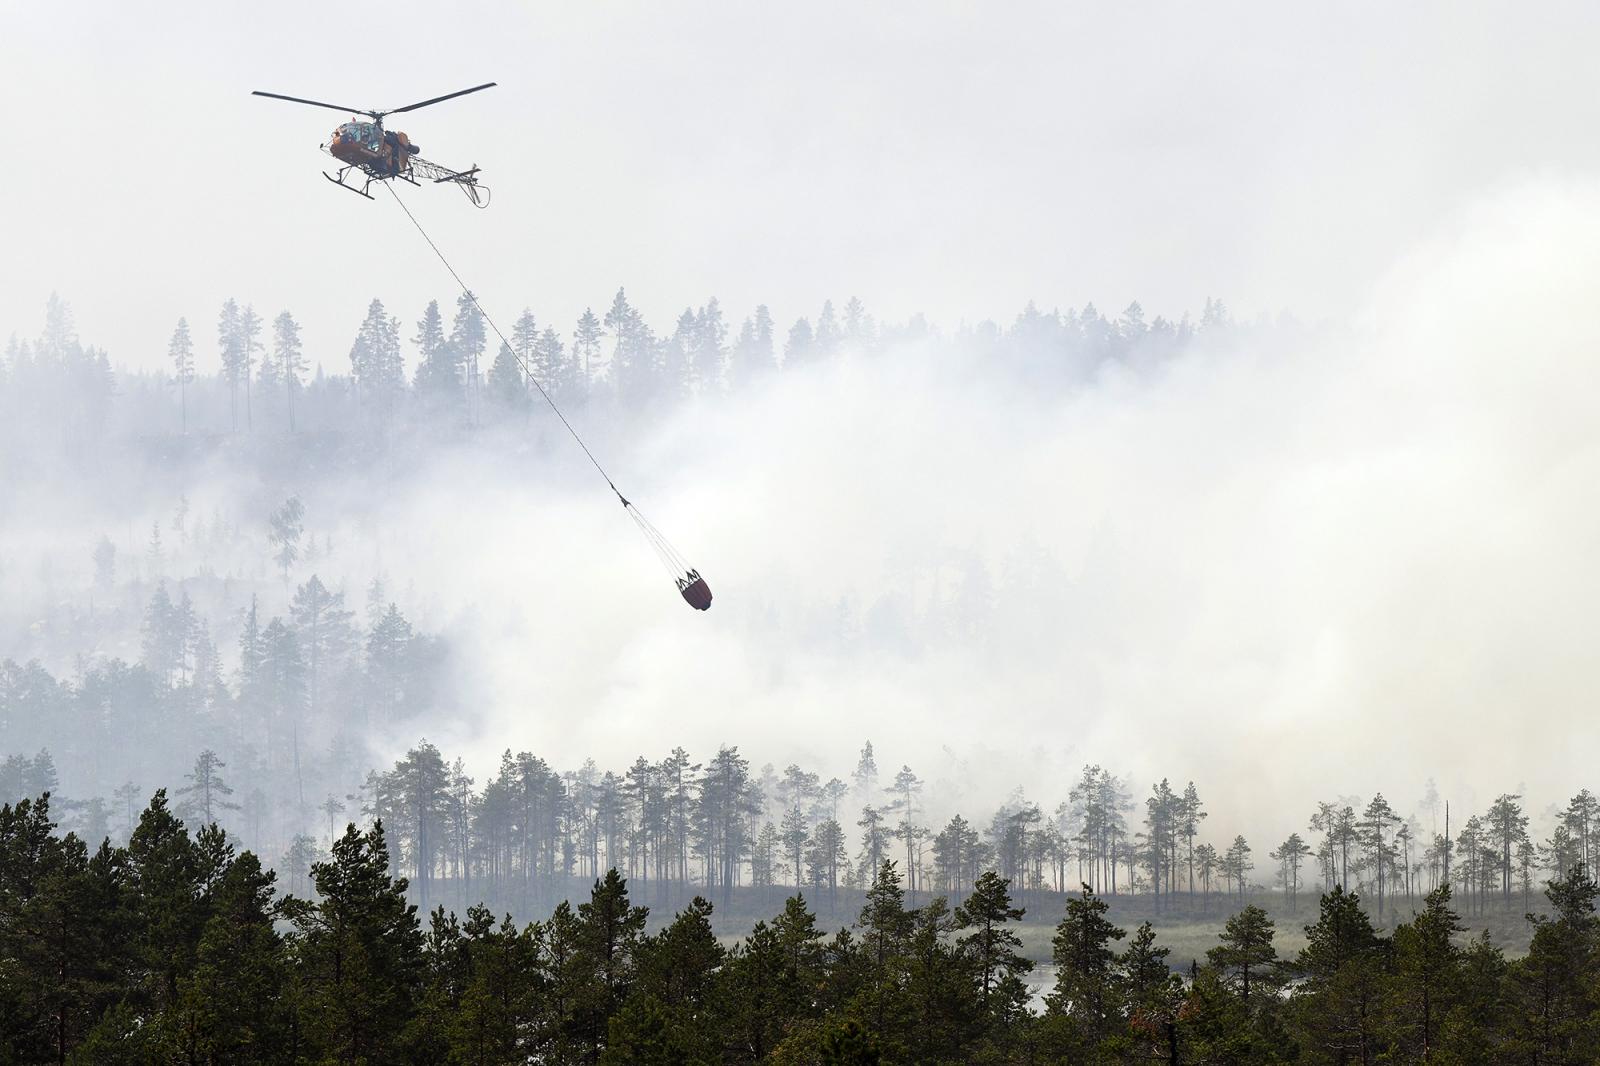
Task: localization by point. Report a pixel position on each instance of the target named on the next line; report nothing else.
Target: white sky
(953, 159)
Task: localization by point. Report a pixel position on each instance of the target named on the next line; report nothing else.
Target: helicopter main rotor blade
(314, 103)
(437, 99)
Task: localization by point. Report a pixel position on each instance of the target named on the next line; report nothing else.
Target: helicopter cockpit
(367, 135)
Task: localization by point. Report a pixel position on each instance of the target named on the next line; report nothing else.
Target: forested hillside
(257, 659)
(177, 948)
(260, 727)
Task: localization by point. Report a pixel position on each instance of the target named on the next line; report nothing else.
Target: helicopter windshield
(366, 134)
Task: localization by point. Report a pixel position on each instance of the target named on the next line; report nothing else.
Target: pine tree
(1290, 855)
(886, 927)
(1342, 972)
(1088, 990)
(634, 367)
(586, 347)
(163, 637)
(1189, 826)
(66, 934)
(181, 351)
(1507, 828)
(105, 565)
(801, 345)
(865, 776)
(564, 378)
(468, 340)
(681, 962)
(907, 787)
(249, 344)
(286, 355)
(207, 793)
(507, 385)
(1553, 991)
(438, 367)
(753, 355)
(232, 1006)
(324, 627)
(252, 653)
(859, 329)
(1154, 993)
(389, 648)
(798, 945)
(524, 345)
(828, 337)
(1426, 961)
(994, 950)
(677, 356)
(230, 343)
(284, 529)
(418, 787)
(608, 940)
(1246, 950)
(945, 1021)
(358, 955)
(709, 351)
(376, 363)
(284, 690)
(165, 871)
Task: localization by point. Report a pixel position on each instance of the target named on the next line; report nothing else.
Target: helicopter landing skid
(339, 181)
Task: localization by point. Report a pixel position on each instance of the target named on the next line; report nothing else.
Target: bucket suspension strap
(669, 556)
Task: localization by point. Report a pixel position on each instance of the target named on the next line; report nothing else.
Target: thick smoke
(1290, 563)
(1286, 568)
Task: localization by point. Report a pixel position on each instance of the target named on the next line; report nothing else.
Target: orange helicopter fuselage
(381, 153)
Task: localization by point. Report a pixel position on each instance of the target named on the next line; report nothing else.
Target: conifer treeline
(455, 372)
(177, 948)
(531, 830)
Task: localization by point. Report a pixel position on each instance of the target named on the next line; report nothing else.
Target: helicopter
(370, 152)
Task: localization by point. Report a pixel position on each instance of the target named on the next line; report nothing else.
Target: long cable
(675, 563)
(514, 353)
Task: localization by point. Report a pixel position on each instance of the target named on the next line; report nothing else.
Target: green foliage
(1246, 951)
(992, 949)
(177, 948)
(1087, 1000)
(360, 960)
(1343, 967)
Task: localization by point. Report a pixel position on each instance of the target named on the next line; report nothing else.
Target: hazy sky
(954, 159)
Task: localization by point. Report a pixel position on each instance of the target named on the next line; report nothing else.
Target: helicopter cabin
(370, 146)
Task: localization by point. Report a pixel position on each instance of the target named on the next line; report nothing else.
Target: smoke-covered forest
(257, 664)
(211, 651)
(895, 534)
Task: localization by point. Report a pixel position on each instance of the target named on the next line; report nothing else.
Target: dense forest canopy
(178, 947)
